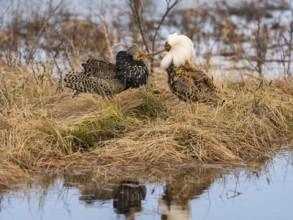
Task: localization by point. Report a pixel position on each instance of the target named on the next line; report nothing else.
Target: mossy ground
(41, 128)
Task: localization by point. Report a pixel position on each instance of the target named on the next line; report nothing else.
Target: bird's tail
(83, 83)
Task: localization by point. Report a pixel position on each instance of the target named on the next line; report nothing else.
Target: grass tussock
(42, 129)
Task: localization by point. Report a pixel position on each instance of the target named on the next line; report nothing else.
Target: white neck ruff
(182, 51)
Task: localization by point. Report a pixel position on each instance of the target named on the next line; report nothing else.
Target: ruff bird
(187, 81)
(105, 78)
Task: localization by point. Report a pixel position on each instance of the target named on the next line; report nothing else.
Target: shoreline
(41, 128)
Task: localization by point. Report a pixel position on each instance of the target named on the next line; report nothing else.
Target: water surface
(261, 191)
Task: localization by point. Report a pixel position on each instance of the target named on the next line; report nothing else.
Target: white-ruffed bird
(185, 79)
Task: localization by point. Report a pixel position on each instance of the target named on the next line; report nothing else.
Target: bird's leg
(75, 93)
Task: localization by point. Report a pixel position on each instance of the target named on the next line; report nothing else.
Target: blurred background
(232, 38)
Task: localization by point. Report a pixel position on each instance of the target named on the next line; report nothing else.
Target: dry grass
(43, 129)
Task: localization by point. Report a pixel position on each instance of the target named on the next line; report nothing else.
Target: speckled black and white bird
(105, 78)
(185, 79)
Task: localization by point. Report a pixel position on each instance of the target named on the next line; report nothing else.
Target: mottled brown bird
(186, 80)
(105, 78)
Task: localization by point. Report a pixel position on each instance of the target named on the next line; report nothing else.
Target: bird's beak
(155, 53)
(141, 56)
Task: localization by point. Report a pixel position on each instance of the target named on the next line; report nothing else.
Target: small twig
(168, 9)
(235, 194)
(137, 12)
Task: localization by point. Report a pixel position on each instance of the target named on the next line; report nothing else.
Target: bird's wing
(99, 68)
(83, 83)
(191, 83)
(200, 79)
(133, 72)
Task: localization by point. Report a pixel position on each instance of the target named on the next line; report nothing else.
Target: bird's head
(135, 53)
(180, 50)
(133, 50)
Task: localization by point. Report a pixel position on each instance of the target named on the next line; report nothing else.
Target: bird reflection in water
(180, 187)
(183, 186)
(128, 197)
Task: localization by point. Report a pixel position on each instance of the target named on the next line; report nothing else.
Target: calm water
(260, 192)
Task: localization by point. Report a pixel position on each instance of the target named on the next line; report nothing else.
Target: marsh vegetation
(43, 128)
